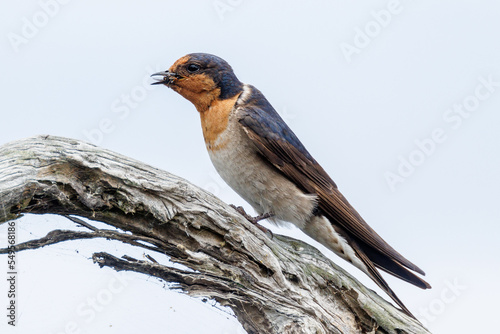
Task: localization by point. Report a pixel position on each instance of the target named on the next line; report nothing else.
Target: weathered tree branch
(278, 285)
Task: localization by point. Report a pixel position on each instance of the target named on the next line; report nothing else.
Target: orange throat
(214, 121)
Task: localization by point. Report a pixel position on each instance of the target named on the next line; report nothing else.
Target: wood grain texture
(278, 285)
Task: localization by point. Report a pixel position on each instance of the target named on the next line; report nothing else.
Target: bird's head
(201, 78)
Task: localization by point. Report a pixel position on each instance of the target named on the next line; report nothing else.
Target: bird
(261, 159)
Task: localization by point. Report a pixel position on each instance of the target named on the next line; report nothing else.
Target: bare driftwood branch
(278, 285)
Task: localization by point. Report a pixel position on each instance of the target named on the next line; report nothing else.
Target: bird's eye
(193, 68)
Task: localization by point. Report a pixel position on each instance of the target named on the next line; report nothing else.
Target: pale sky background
(365, 85)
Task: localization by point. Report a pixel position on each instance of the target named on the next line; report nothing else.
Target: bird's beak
(166, 79)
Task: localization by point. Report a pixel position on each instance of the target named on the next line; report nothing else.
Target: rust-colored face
(187, 78)
(201, 78)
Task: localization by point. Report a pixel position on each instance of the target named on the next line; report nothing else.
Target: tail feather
(377, 278)
(393, 267)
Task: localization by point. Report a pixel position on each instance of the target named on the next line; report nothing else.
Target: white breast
(258, 182)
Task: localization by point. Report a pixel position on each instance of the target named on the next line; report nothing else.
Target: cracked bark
(278, 285)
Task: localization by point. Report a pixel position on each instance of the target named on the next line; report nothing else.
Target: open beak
(167, 78)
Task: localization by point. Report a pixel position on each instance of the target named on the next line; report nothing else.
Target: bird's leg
(254, 220)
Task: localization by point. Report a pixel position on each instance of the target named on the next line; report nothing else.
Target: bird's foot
(254, 220)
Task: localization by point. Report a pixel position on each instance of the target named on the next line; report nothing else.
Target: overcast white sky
(398, 100)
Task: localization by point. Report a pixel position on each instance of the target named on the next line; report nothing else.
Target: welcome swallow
(257, 154)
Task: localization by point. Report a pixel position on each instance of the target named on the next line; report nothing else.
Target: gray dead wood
(278, 285)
